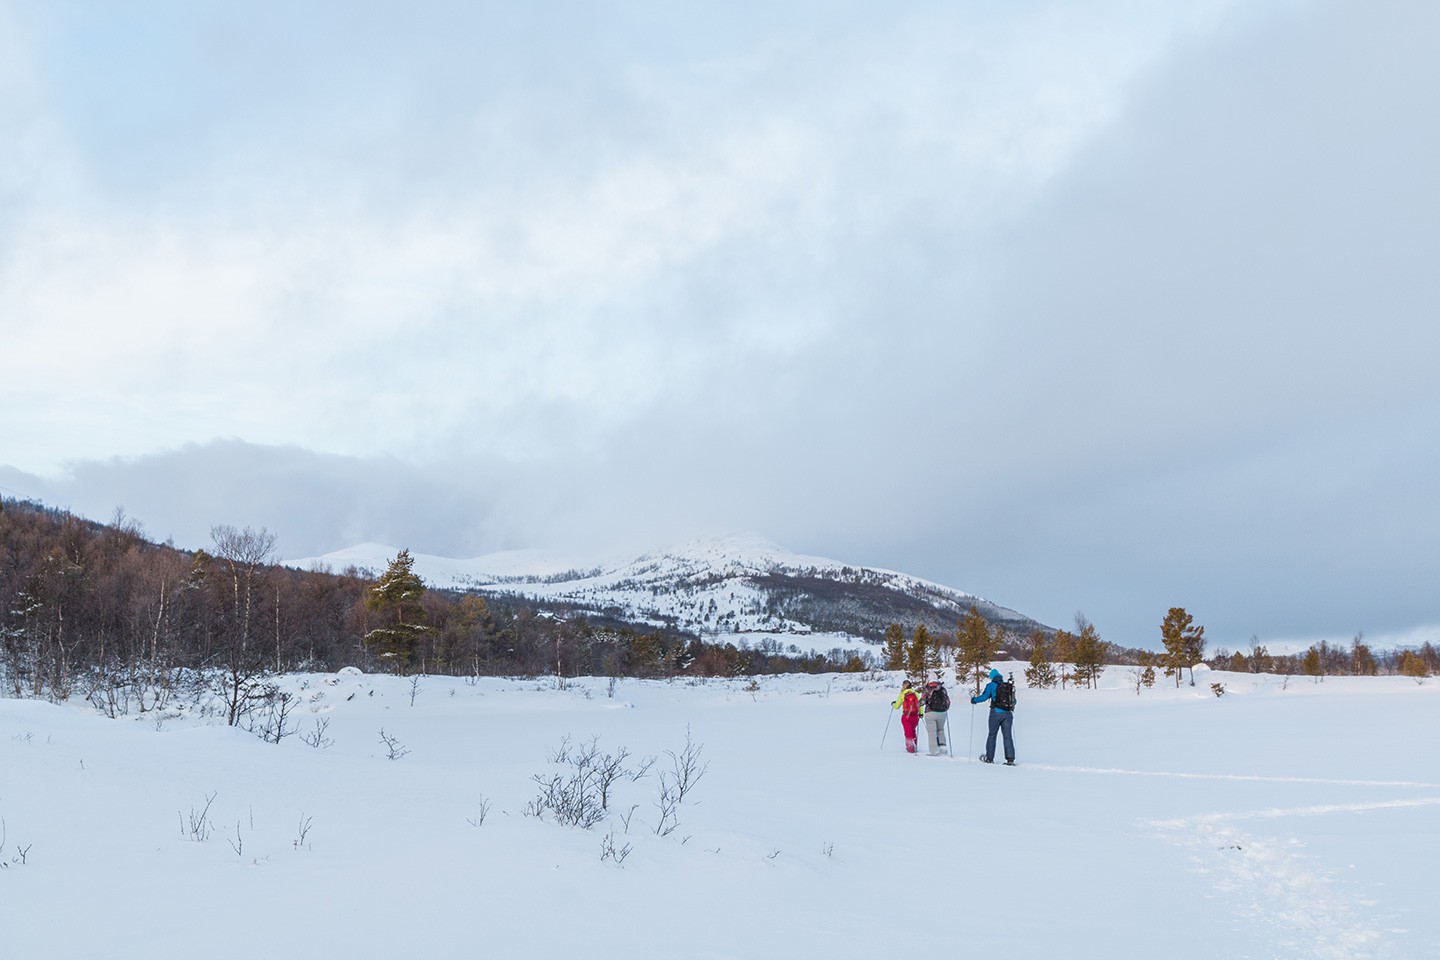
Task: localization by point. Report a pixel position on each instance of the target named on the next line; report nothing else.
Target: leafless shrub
(316, 737)
(302, 834)
(197, 825)
(238, 842)
(573, 800)
(686, 766)
(581, 797)
(666, 801)
(608, 850)
(484, 812)
(415, 688)
(394, 749)
(561, 754)
(22, 854)
(272, 721)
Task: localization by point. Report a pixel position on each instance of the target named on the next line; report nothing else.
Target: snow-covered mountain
(737, 585)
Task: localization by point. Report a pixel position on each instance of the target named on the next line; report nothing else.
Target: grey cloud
(902, 304)
(313, 502)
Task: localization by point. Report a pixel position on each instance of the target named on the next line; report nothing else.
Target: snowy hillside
(741, 586)
(1286, 819)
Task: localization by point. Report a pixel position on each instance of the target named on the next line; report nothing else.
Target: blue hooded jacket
(989, 692)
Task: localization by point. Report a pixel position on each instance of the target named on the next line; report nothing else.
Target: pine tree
(1184, 643)
(919, 648)
(975, 650)
(1259, 659)
(1041, 672)
(397, 597)
(1147, 676)
(1089, 653)
(894, 647)
(1062, 649)
(1414, 665)
(934, 656)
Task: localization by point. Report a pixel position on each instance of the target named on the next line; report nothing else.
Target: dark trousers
(1000, 721)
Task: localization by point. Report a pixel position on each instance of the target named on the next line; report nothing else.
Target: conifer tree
(1260, 660)
(1414, 665)
(1143, 673)
(1062, 649)
(1041, 672)
(1184, 643)
(396, 596)
(919, 648)
(894, 647)
(1089, 655)
(934, 655)
(975, 649)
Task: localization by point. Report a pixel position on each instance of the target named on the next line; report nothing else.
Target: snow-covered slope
(1285, 820)
(741, 585)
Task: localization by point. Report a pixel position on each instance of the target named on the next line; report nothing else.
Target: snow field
(1286, 819)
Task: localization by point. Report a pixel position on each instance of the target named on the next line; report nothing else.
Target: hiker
(937, 702)
(1001, 694)
(909, 704)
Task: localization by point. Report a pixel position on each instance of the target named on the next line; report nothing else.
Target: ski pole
(949, 740)
(971, 748)
(888, 715)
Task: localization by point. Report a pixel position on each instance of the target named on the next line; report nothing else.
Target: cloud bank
(1080, 307)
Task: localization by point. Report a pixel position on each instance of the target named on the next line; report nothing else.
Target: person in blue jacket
(1000, 721)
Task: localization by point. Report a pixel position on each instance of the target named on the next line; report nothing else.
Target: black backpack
(1004, 695)
(937, 700)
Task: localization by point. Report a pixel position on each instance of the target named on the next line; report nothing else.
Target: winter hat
(994, 674)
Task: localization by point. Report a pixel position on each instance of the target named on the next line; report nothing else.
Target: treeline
(1061, 658)
(1078, 658)
(1331, 660)
(100, 611)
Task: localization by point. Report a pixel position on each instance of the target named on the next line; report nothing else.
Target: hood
(995, 675)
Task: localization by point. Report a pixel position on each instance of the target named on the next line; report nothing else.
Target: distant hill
(733, 588)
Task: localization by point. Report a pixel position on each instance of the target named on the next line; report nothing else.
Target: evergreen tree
(1314, 664)
(894, 647)
(1041, 672)
(1147, 671)
(976, 648)
(934, 656)
(919, 648)
(1259, 659)
(1062, 650)
(1089, 656)
(1184, 643)
(1414, 665)
(397, 597)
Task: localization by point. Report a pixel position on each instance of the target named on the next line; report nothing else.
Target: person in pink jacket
(908, 703)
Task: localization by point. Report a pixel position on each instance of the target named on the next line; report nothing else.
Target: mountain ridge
(739, 585)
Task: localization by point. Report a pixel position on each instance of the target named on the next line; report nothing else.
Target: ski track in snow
(1239, 777)
(1268, 880)
(1271, 883)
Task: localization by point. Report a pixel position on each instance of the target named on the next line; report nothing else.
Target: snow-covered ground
(1284, 819)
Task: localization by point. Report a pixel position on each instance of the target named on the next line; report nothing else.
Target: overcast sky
(1080, 306)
